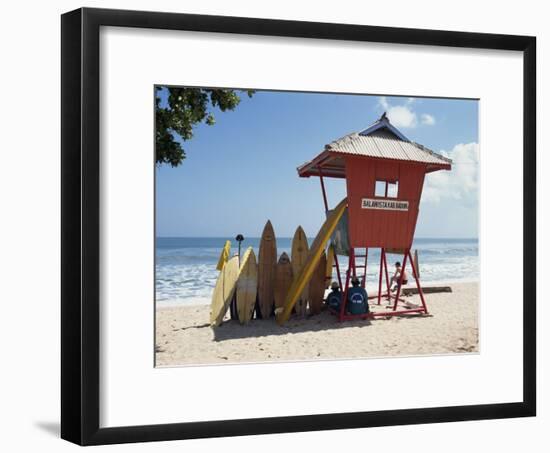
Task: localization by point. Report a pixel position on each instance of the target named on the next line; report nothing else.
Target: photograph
(301, 226)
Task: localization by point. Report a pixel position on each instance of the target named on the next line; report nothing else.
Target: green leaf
(183, 110)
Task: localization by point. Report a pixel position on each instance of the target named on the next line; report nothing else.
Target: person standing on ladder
(357, 303)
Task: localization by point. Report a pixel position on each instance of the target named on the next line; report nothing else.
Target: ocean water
(185, 271)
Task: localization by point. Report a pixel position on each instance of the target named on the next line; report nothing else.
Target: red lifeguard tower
(384, 173)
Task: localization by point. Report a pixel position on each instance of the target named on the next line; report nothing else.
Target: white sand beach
(184, 337)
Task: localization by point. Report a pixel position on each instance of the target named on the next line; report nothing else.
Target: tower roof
(383, 123)
(381, 140)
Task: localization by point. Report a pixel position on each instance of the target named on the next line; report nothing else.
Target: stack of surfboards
(275, 286)
(249, 282)
(238, 280)
(224, 290)
(314, 267)
(247, 286)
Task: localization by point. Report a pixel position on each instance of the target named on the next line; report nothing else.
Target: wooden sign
(388, 205)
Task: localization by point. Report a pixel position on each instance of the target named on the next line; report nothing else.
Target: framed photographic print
(275, 226)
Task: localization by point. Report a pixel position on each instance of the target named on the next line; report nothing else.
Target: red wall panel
(380, 227)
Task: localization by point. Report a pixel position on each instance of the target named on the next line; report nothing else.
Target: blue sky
(242, 171)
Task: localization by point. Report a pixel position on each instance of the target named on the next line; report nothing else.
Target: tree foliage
(178, 110)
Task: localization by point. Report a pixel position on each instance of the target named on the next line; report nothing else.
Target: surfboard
(416, 266)
(267, 259)
(330, 264)
(317, 286)
(224, 255)
(224, 291)
(301, 280)
(283, 279)
(247, 286)
(299, 253)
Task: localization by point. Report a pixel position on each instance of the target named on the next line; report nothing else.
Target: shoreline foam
(201, 301)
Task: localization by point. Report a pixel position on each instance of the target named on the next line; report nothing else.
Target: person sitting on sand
(357, 303)
(334, 298)
(396, 276)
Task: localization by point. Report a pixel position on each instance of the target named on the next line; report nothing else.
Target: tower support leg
(382, 257)
(351, 266)
(415, 275)
(387, 276)
(338, 271)
(364, 281)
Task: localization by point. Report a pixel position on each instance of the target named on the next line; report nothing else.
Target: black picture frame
(80, 222)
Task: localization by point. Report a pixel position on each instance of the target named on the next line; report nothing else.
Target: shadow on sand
(232, 329)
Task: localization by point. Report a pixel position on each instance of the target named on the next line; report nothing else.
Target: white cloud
(461, 182)
(384, 103)
(399, 115)
(427, 119)
(403, 115)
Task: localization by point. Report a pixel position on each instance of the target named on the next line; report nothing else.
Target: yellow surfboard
(224, 291)
(330, 264)
(317, 286)
(224, 255)
(247, 286)
(299, 253)
(317, 248)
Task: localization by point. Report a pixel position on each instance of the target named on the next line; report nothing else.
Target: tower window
(386, 189)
